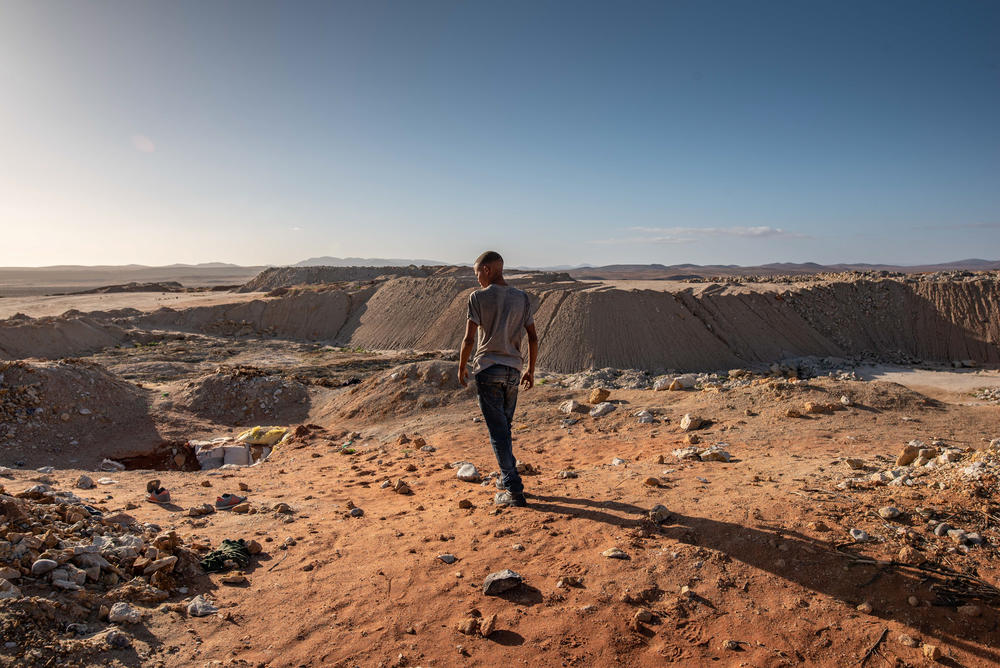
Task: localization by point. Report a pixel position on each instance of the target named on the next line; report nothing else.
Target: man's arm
(528, 379)
(463, 358)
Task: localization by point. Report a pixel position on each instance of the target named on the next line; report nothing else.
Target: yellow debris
(263, 435)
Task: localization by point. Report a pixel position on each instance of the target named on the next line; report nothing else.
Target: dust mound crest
(100, 410)
(404, 390)
(54, 337)
(242, 395)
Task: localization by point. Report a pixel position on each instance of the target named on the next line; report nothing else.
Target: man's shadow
(825, 573)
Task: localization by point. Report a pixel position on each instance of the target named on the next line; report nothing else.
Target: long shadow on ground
(818, 567)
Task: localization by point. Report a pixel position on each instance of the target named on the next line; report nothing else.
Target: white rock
(468, 473)
(859, 536)
(602, 409)
(123, 612)
(617, 461)
(201, 607)
(570, 406)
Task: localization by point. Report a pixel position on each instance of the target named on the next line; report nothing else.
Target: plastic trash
(110, 466)
(237, 455)
(263, 435)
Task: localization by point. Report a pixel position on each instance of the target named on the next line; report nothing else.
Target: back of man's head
(489, 257)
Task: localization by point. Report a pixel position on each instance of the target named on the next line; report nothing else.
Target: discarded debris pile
(65, 566)
(244, 394)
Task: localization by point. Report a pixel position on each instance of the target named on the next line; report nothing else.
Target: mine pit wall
(580, 327)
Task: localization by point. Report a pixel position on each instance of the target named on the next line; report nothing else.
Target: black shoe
(518, 500)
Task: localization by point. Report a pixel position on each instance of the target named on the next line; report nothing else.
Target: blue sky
(555, 132)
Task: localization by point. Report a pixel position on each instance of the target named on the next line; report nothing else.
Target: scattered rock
(889, 512)
(644, 616)
(602, 409)
(356, 512)
(859, 536)
(614, 553)
(618, 461)
(43, 566)
(469, 626)
(488, 625)
(465, 504)
(692, 439)
(907, 455)
(690, 422)
(866, 608)
(932, 652)
(855, 464)
(201, 607)
(447, 558)
(566, 581)
(659, 513)
(598, 395)
(651, 482)
(498, 583)
(84, 482)
(907, 641)
(567, 474)
(572, 406)
(8, 590)
(401, 487)
(124, 612)
(819, 525)
(909, 555)
(468, 473)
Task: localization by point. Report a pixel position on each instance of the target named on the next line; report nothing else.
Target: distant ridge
(686, 271)
(328, 261)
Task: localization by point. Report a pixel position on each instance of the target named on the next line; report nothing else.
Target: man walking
(501, 314)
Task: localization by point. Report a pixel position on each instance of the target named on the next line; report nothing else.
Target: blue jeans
(497, 389)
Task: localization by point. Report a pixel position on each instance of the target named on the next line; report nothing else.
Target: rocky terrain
(730, 489)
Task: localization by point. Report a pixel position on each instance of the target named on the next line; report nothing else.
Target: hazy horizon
(259, 133)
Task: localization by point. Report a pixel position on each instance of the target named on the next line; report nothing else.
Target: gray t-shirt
(502, 313)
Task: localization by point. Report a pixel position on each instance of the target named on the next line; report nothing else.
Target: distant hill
(327, 261)
(687, 271)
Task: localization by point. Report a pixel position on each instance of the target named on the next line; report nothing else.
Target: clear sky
(556, 132)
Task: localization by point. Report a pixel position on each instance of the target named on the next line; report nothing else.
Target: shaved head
(489, 257)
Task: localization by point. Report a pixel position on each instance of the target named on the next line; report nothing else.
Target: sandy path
(38, 307)
(952, 385)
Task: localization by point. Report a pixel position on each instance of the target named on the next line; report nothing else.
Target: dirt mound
(165, 286)
(403, 390)
(52, 338)
(243, 395)
(310, 315)
(69, 413)
(585, 326)
(283, 277)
